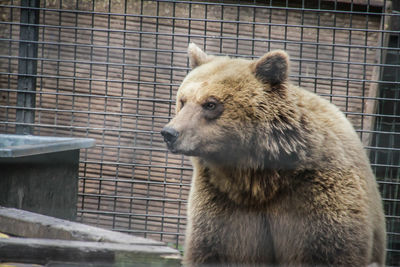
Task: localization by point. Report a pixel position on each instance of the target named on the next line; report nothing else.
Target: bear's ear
(197, 56)
(272, 68)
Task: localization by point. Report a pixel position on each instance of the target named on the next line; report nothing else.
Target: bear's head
(230, 108)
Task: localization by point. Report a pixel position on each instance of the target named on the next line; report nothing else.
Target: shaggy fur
(280, 176)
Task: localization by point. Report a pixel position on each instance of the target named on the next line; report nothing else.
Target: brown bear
(280, 176)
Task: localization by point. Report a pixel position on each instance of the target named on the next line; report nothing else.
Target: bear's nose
(169, 134)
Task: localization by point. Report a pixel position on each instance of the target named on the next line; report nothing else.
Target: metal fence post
(27, 66)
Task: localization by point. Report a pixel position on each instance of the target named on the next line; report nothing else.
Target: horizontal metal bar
(176, 85)
(207, 3)
(185, 168)
(128, 214)
(89, 79)
(382, 148)
(207, 20)
(337, 62)
(370, 115)
(377, 132)
(246, 5)
(391, 199)
(142, 49)
(104, 63)
(133, 181)
(94, 95)
(385, 165)
(133, 148)
(160, 117)
(358, 97)
(135, 231)
(103, 113)
(137, 165)
(172, 101)
(393, 251)
(342, 79)
(133, 197)
(392, 233)
(200, 36)
(392, 217)
(87, 128)
(393, 183)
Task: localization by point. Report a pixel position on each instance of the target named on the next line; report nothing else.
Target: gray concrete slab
(43, 251)
(22, 223)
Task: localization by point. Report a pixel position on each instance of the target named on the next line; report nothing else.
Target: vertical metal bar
(121, 108)
(364, 71)
(333, 52)
(135, 137)
(10, 48)
(221, 30)
(155, 78)
(74, 68)
(41, 82)
(189, 30)
(392, 144)
(317, 48)
(27, 68)
(59, 47)
(237, 28)
(269, 26)
(169, 114)
(396, 128)
(85, 169)
(301, 40)
(103, 134)
(117, 166)
(286, 24)
(205, 25)
(253, 32)
(349, 58)
(391, 191)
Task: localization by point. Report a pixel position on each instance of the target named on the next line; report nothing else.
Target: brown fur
(280, 176)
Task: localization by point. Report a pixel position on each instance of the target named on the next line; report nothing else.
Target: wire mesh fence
(109, 70)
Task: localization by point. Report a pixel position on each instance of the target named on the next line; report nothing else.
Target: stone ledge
(42, 239)
(23, 223)
(42, 251)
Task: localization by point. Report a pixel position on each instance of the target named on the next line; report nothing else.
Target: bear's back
(332, 131)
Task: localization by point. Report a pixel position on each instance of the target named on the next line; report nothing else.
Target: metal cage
(109, 70)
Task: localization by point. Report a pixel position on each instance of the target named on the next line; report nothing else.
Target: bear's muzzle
(170, 135)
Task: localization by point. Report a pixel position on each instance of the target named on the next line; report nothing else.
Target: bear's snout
(170, 135)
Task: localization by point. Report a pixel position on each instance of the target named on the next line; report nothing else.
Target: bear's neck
(244, 186)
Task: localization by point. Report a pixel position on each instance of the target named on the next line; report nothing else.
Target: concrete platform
(40, 239)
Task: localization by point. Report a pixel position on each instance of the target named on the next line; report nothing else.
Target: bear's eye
(212, 108)
(209, 105)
